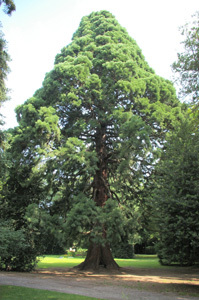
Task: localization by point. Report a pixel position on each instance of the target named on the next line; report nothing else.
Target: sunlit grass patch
(140, 261)
(59, 261)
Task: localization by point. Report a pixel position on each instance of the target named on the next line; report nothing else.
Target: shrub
(16, 250)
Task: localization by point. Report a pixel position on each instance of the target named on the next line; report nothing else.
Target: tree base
(98, 256)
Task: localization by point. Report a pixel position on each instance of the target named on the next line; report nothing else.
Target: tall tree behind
(187, 65)
(177, 173)
(16, 250)
(92, 130)
(9, 7)
(177, 195)
(4, 58)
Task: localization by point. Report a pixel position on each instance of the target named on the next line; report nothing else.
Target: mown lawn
(8, 292)
(58, 261)
(141, 261)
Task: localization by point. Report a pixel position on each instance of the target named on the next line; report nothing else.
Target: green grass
(8, 292)
(58, 261)
(141, 261)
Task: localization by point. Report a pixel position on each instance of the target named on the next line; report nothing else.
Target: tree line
(105, 155)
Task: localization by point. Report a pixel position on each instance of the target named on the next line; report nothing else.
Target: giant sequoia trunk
(100, 255)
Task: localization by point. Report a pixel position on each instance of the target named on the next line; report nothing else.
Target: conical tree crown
(102, 92)
(101, 39)
(90, 132)
(101, 71)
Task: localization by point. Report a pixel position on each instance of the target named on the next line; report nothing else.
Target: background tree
(4, 69)
(177, 197)
(9, 6)
(4, 59)
(187, 65)
(24, 209)
(91, 133)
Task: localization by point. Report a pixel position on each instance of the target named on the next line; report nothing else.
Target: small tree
(16, 250)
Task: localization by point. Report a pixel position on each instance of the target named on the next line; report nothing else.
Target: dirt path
(136, 284)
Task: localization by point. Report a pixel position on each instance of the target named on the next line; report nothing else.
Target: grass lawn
(8, 292)
(58, 261)
(140, 261)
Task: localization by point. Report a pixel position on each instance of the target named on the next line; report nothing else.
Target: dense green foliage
(87, 140)
(187, 65)
(177, 179)
(17, 253)
(123, 250)
(178, 197)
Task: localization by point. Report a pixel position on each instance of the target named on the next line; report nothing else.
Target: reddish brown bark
(98, 255)
(100, 182)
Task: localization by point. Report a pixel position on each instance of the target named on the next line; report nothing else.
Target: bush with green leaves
(16, 250)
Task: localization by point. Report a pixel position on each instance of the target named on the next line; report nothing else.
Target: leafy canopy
(187, 65)
(91, 132)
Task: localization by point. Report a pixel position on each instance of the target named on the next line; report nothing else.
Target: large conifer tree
(91, 131)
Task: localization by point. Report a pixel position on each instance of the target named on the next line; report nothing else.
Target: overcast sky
(39, 29)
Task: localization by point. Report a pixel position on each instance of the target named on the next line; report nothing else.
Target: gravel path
(84, 287)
